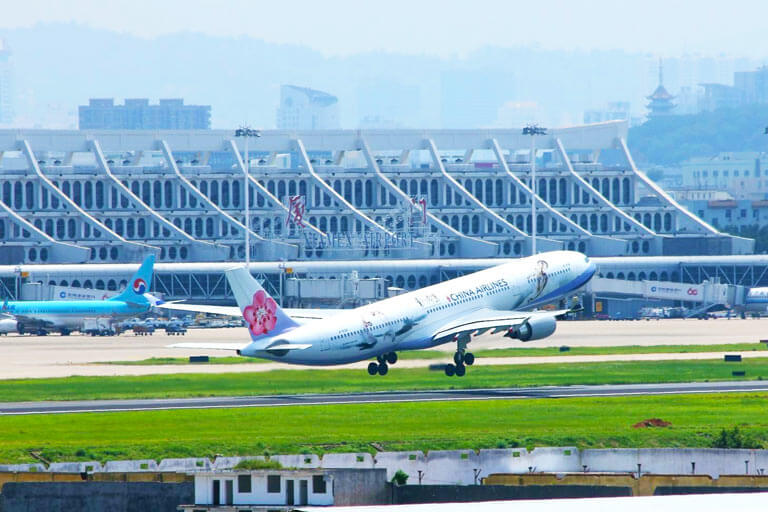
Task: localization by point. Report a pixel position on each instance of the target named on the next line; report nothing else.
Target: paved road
(14, 408)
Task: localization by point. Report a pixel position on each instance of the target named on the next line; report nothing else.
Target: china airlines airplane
(495, 300)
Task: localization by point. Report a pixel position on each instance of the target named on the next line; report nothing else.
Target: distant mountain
(673, 139)
(65, 64)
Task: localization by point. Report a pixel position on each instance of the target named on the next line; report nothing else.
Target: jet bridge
(700, 297)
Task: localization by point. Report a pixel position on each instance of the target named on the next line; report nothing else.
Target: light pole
(247, 133)
(533, 130)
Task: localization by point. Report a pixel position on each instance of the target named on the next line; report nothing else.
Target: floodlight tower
(533, 130)
(246, 132)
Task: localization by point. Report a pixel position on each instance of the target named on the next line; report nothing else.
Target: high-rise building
(753, 85)
(6, 84)
(614, 111)
(474, 98)
(138, 114)
(302, 108)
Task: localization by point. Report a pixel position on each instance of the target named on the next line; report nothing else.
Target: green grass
(500, 352)
(583, 422)
(344, 381)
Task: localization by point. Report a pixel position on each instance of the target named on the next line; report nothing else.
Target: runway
(64, 356)
(19, 408)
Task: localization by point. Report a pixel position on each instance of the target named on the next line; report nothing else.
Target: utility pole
(247, 133)
(533, 130)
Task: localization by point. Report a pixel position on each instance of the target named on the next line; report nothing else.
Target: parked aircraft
(499, 299)
(7, 324)
(66, 316)
(755, 303)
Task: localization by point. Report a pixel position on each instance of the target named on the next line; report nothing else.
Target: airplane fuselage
(409, 321)
(70, 314)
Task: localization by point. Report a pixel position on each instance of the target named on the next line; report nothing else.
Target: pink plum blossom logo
(261, 315)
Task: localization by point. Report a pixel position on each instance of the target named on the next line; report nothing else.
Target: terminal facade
(114, 196)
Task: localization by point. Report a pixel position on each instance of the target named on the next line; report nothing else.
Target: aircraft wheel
(65, 332)
(392, 357)
(383, 369)
(458, 358)
(373, 368)
(381, 358)
(461, 370)
(450, 370)
(469, 359)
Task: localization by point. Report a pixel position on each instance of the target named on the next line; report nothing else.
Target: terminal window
(244, 483)
(273, 483)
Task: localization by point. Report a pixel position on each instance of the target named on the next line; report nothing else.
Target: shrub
(400, 478)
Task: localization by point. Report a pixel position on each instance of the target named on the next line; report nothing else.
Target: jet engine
(535, 328)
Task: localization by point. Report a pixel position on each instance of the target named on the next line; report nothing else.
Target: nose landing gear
(380, 367)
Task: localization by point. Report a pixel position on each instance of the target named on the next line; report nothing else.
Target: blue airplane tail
(264, 317)
(139, 284)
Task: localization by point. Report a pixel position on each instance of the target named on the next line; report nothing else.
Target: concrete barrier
(30, 468)
(451, 467)
(74, 467)
(129, 466)
(412, 463)
(189, 464)
(309, 460)
(347, 460)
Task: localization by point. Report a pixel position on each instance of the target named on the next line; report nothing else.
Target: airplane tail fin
(260, 311)
(139, 284)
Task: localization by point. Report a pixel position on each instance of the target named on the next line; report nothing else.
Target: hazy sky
(445, 28)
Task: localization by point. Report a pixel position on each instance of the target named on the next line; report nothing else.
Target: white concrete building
(302, 108)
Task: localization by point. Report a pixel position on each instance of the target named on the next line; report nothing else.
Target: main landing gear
(380, 367)
(461, 360)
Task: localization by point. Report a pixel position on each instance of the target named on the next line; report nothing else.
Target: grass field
(500, 352)
(344, 381)
(583, 422)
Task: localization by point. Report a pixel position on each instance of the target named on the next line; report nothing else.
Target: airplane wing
(484, 320)
(236, 346)
(302, 316)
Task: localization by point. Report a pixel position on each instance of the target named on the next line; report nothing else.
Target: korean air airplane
(495, 300)
(66, 316)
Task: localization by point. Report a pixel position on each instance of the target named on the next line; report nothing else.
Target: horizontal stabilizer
(289, 346)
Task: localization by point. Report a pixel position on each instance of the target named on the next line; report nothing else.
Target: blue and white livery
(66, 316)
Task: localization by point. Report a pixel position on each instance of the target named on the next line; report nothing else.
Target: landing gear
(380, 366)
(461, 360)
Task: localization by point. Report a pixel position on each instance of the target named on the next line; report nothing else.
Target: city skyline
(62, 57)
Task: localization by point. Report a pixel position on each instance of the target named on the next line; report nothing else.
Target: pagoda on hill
(660, 101)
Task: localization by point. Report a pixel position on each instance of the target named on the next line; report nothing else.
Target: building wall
(138, 114)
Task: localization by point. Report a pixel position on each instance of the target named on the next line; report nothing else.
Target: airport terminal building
(113, 196)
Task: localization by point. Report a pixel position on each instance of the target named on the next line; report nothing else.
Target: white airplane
(498, 299)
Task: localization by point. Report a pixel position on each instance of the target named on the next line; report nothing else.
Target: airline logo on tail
(139, 286)
(261, 314)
